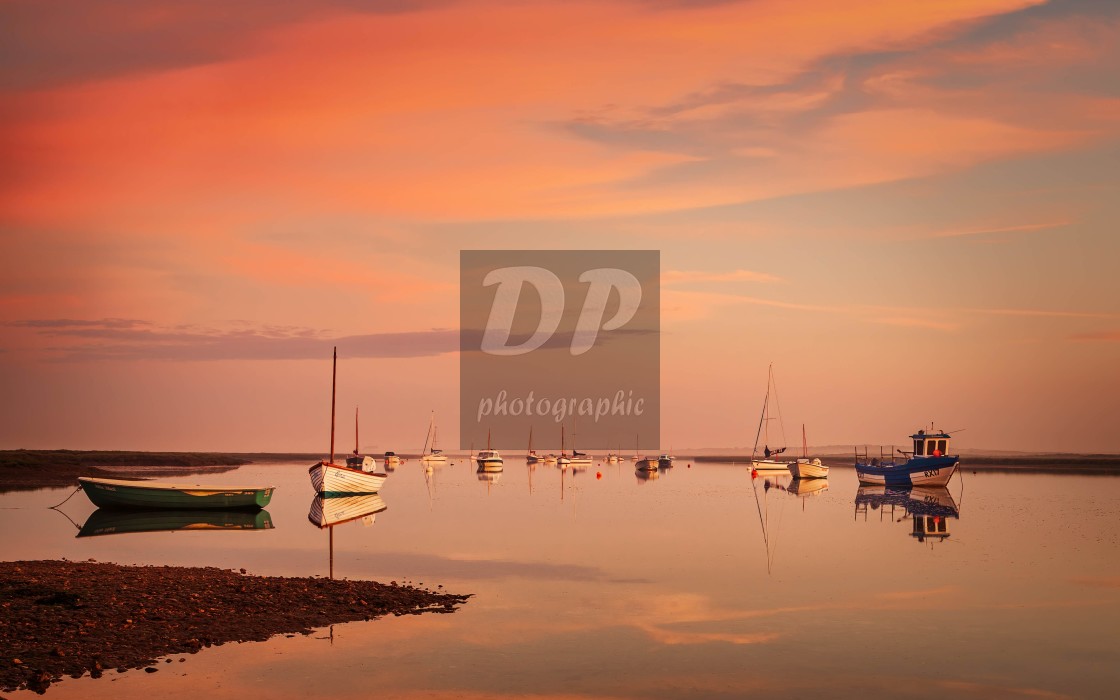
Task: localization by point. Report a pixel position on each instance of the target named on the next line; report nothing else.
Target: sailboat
(330, 479)
(563, 460)
(531, 457)
(357, 460)
(432, 454)
(578, 459)
(489, 460)
(636, 456)
(768, 463)
(805, 468)
(615, 457)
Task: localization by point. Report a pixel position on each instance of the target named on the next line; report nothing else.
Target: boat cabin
(930, 444)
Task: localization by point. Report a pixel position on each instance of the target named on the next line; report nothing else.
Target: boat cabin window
(942, 445)
(919, 448)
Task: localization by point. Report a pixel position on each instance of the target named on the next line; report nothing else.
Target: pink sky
(908, 207)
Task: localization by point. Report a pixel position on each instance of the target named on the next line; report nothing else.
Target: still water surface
(622, 587)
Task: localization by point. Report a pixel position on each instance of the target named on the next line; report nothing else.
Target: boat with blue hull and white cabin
(928, 464)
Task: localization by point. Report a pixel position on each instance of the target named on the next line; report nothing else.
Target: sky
(909, 208)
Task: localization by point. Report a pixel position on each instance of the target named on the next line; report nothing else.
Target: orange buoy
(598, 475)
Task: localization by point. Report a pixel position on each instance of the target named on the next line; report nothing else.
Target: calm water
(620, 587)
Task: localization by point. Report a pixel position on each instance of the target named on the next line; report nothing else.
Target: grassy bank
(33, 469)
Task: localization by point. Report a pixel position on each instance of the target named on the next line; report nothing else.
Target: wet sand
(64, 618)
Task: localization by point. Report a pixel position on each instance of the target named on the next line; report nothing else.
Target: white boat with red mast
(805, 468)
(332, 480)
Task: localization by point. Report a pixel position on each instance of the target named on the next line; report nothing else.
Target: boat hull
(808, 470)
(926, 471)
(332, 480)
(769, 465)
(647, 465)
(122, 493)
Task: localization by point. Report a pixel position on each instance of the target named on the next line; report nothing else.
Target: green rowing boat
(154, 495)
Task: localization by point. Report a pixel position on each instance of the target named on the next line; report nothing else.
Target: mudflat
(62, 618)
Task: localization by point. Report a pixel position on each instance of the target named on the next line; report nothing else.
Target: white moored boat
(808, 469)
(430, 454)
(489, 460)
(768, 463)
(579, 459)
(805, 468)
(330, 479)
(531, 456)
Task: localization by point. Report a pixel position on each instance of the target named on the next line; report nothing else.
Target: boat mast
(530, 439)
(804, 443)
(355, 430)
(334, 377)
(762, 418)
(428, 436)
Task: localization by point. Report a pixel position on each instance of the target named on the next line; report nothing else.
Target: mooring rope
(55, 507)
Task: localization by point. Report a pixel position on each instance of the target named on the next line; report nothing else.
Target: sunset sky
(910, 208)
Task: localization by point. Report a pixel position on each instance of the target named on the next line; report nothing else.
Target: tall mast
(762, 418)
(429, 437)
(355, 430)
(530, 439)
(334, 377)
(804, 445)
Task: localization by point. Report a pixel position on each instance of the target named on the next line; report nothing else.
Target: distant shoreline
(22, 470)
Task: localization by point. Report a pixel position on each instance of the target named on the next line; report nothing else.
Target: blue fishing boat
(928, 464)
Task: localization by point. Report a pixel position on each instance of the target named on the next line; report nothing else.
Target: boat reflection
(927, 507)
(644, 474)
(115, 522)
(327, 513)
(807, 487)
(489, 477)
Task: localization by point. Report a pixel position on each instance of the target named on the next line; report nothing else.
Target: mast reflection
(328, 513)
